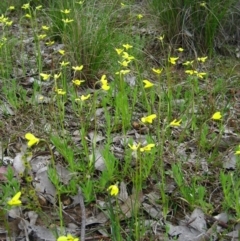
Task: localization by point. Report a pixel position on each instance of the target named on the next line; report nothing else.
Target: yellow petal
(147, 83)
(15, 200)
(62, 238)
(216, 116)
(105, 87)
(113, 190)
(83, 97)
(29, 136)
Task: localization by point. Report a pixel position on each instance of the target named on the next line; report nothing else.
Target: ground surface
(200, 163)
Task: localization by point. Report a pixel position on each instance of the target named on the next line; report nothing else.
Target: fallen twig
(83, 214)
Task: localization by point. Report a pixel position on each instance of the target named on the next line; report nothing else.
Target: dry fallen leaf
(43, 185)
(63, 174)
(18, 162)
(98, 160)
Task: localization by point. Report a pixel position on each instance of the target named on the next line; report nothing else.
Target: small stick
(207, 236)
(76, 222)
(83, 214)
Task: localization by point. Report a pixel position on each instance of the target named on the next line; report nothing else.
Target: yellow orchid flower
(69, 237)
(66, 11)
(216, 116)
(78, 68)
(15, 201)
(32, 140)
(175, 122)
(147, 83)
(134, 147)
(67, 20)
(114, 190)
(119, 51)
(202, 59)
(147, 147)
(157, 71)
(61, 92)
(172, 60)
(83, 97)
(127, 46)
(45, 76)
(148, 119)
(64, 63)
(77, 82)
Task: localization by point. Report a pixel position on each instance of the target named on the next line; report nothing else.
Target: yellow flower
(216, 116)
(77, 82)
(44, 27)
(200, 75)
(124, 63)
(69, 237)
(148, 119)
(127, 57)
(49, 43)
(202, 59)
(139, 16)
(113, 190)
(32, 140)
(103, 80)
(190, 71)
(9, 23)
(157, 71)
(66, 11)
(56, 76)
(26, 6)
(187, 63)
(80, 2)
(180, 49)
(61, 92)
(172, 60)
(15, 201)
(175, 122)
(38, 7)
(161, 37)
(203, 4)
(11, 8)
(119, 51)
(45, 76)
(67, 20)
(127, 46)
(42, 36)
(64, 63)
(134, 147)
(104, 83)
(105, 87)
(61, 51)
(123, 72)
(147, 83)
(28, 15)
(3, 19)
(147, 147)
(78, 68)
(83, 97)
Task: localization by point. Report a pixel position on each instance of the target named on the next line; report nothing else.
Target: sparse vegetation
(125, 109)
